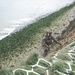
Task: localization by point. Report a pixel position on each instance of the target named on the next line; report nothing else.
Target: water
(16, 14)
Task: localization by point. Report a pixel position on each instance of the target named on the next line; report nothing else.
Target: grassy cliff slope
(20, 40)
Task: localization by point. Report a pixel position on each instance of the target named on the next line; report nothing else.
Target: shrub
(19, 72)
(32, 59)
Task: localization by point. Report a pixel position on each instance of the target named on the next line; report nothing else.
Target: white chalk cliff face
(18, 13)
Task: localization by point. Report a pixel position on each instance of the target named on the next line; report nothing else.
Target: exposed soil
(68, 34)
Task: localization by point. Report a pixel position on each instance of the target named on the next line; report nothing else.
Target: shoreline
(16, 29)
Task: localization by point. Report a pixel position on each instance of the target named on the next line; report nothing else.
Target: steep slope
(63, 28)
(62, 63)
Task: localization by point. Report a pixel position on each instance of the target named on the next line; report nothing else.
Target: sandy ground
(57, 27)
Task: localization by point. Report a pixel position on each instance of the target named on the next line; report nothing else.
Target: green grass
(31, 73)
(64, 57)
(5, 72)
(72, 45)
(73, 67)
(40, 70)
(73, 56)
(16, 42)
(54, 73)
(19, 72)
(27, 67)
(59, 65)
(71, 73)
(32, 59)
(44, 64)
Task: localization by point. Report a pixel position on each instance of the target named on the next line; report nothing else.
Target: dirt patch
(67, 36)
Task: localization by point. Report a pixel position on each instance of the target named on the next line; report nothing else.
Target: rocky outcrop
(65, 32)
(70, 28)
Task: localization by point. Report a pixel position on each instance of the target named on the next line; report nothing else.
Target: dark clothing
(47, 41)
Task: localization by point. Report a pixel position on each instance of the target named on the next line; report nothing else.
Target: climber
(47, 41)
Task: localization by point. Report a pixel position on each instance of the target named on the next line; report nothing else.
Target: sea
(16, 14)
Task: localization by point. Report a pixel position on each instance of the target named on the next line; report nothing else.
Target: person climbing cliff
(47, 41)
